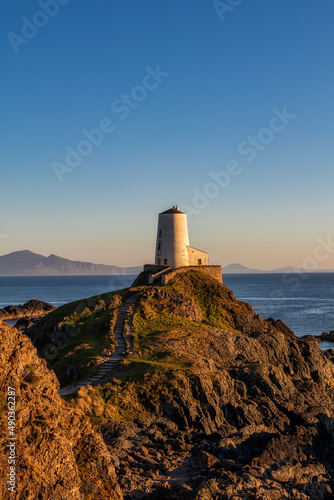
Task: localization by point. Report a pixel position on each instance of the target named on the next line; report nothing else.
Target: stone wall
(160, 275)
(154, 277)
(214, 271)
(152, 268)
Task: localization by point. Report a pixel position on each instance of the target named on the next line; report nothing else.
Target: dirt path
(121, 351)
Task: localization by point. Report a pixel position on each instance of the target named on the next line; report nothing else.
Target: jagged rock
(58, 456)
(24, 323)
(73, 373)
(31, 308)
(329, 337)
(206, 461)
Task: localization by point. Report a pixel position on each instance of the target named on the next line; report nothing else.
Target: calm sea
(305, 303)
(57, 290)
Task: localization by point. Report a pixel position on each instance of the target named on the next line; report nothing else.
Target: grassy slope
(219, 306)
(88, 340)
(90, 324)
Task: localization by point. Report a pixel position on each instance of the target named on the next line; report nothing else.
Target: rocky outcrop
(58, 456)
(327, 336)
(215, 402)
(24, 323)
(252, 417)
(31, 308)
(171, 302)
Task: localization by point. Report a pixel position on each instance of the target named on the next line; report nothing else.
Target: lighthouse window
(160, 233)
(199, 262)
(165, 262)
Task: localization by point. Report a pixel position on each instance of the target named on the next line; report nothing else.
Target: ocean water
(305, 303)
(57, 290)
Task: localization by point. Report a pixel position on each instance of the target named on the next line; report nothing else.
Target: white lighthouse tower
(172, 247)
(172, 239)
(173, 255)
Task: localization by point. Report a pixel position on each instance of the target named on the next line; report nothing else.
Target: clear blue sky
(226, 74)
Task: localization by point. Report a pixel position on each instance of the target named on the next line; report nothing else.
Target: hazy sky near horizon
(225, 111)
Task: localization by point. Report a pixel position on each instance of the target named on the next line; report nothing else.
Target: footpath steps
(120, 352)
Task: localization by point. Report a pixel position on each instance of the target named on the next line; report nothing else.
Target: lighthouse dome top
(174, 210)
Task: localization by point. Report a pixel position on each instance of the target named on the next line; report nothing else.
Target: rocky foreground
(214, 403)
(58, 456)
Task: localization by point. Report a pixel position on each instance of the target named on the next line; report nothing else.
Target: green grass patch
(126, 398)
(149, 323)
(214, 299)
(88, 338)
(152, 329)
(70, 309)
(137, 368)
(78, 332)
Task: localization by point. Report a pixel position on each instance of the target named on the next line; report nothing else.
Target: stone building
(172, 247)
(173, 254)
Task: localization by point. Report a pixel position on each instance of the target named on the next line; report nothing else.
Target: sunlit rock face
(57, 455)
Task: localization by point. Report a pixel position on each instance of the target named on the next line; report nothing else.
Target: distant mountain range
(26, 263)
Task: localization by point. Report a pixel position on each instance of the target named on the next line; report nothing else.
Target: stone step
(119, 353)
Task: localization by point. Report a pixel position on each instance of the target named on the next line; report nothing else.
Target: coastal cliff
(214, 402)
(58, 456)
